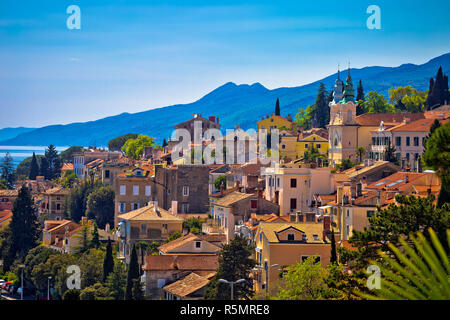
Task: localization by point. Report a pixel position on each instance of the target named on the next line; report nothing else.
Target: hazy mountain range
(242, 105)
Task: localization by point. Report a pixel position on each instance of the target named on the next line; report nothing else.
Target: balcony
(212, 226)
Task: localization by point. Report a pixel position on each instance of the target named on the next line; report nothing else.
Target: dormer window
(139, 173)
(291, 237)
(198, 244)
(316, 237)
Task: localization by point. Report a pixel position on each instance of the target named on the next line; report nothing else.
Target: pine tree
(24, 231)
(133, 273)
(277, 107)
(108, 262)
(54, 163)
(235, 263)
(7, 173)
(34, 168)
(333, 258)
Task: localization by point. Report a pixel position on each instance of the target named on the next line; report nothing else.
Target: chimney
(406, 178)
(212, 118)
(326, 226)
(174, 207)
(221, 190)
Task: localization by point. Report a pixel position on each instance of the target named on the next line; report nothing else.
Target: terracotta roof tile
(189, 284)
(374, 119)
(181, 262)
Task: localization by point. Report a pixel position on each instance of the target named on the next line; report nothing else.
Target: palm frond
(421, 272)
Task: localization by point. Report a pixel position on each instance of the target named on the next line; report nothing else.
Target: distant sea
(19, 153)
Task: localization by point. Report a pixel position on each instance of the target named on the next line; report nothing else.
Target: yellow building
(275, 122)
(279, 245)
(294, 147)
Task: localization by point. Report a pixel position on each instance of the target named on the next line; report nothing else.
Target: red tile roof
(374, 119)
(181, 262)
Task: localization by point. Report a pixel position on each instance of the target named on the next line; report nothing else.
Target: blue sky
(131, 56)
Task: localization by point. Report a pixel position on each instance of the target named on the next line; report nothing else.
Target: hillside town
(322, 193)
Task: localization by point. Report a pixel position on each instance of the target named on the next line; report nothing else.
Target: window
(185, 190)
(370, 213)
(123, 190)
(283, 146)
(348, 213)
(139, 173)
(293, 203)
(291, 237)
(135, 190)
(106, 174)
(278, 182)
(416, 141)
(253, 203)
(316, 237)
(143, 229)
(424, 141)
(408, 141)
(293, 183)
(134, 206)
(198, 244)
(407, 156)
(122, 207)
(148, 190)
(318, 146)
(306, 146)
(58, 206)
(185, 207)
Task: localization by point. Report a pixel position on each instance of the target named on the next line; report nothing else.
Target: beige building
(149, 223)
(236, 208)
(52, 204)
(290, 188)
(281, 244)
(133, 190)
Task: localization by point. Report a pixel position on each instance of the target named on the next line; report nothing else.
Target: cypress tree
(430, 90)
(34, 168)
(333, 258)
(360, 92)
(277, 107)
(133, 273)
(321, 113)
(24, 231)
(95, 241)
(44, 170)
(108, 262)
(164, 143)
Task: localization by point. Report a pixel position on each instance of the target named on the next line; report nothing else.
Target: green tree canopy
(376, 103)
(235, 263)
(7, 173)
(100, 206)
(134, 148)
(116, 144)
(67, 155)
